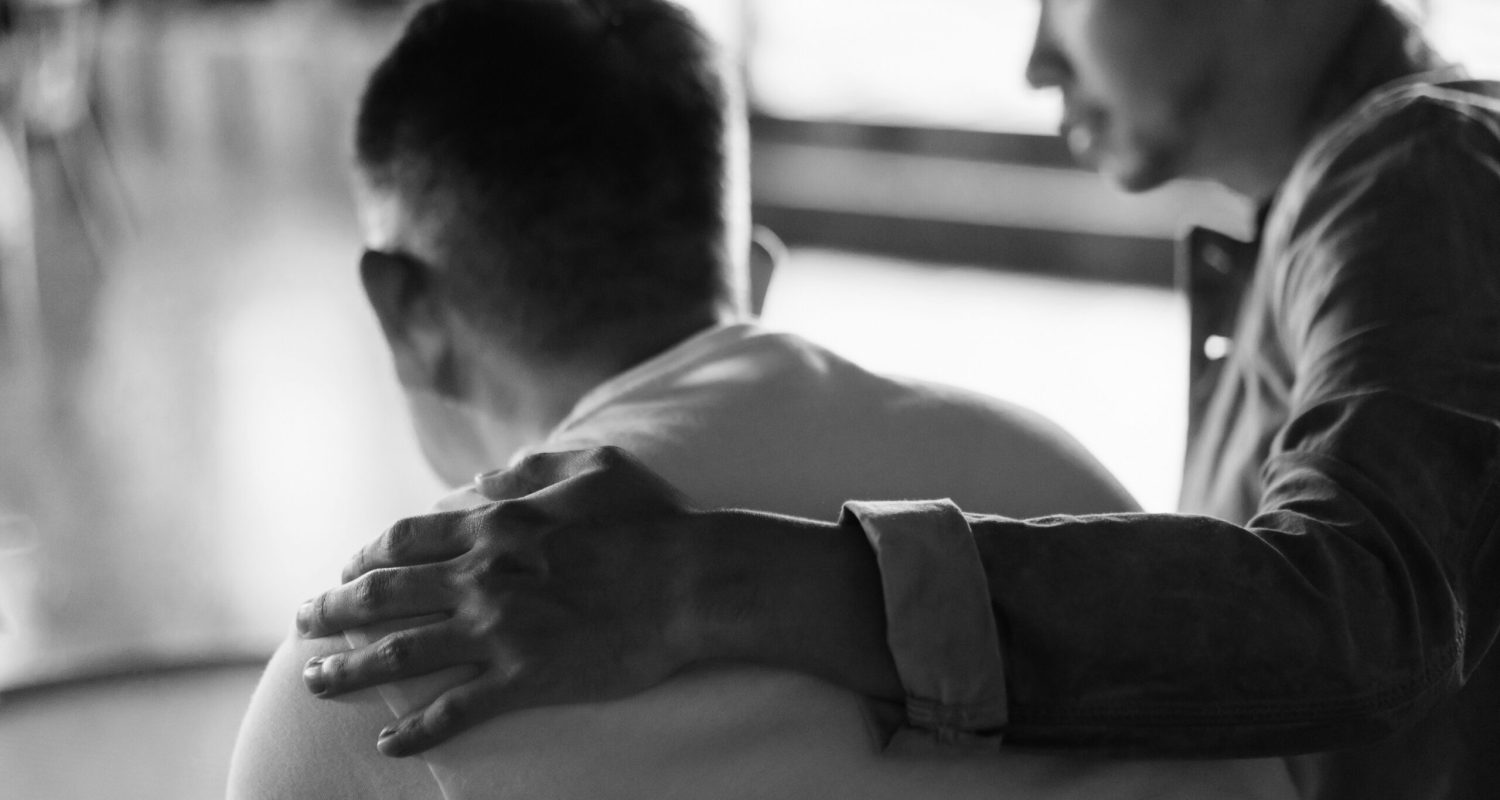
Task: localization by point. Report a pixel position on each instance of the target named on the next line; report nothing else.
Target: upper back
(742, 417)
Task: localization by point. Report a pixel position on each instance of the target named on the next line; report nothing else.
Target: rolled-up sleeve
(939, 620)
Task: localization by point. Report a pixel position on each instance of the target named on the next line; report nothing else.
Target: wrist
(726, 583)
(786, 592)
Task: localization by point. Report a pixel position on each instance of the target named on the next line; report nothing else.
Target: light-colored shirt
(738, 417)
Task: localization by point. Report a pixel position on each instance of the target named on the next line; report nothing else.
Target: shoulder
(771, 420)
(1017, 460)
(1413, 114)
(737, 384)
(1393, 211)
(1414, 134)
(1398, 146)
(292, 744)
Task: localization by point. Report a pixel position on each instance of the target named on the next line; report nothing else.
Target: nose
(1046, 67)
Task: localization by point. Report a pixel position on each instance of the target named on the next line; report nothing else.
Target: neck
(525, 399)
(1377, 45)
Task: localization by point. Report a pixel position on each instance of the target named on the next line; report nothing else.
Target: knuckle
(355, 567)
(531, 469)
(496, 571)
(319, 613)
(467, 574)
(485, 576)
(490, 626)
(497, 485)
(473, 525)
(371, 591)
(495, 624)
(449, 581)
(494, 526)
(399, 540)
(394, 652)
(446, 714)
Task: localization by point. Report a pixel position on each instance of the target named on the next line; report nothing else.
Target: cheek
(1143, 62)
(1141, 134)
(1128, 91)
(1146, 119)
(1140, 83)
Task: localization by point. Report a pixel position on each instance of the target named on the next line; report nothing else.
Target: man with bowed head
(1331, 588)
(552, 198)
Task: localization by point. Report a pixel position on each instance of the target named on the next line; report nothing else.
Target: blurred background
(197, 419)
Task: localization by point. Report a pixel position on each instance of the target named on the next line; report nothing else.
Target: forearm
(1320, 627)
(1181, 635)
(1152, 634)
(791, 593)
(1158, 634)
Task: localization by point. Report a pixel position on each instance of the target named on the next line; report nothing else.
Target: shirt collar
(687, 351)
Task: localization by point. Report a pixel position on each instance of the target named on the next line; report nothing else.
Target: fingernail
(312, 677)
(304, 618)
(386, 744)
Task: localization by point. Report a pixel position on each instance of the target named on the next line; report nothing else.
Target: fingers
(404, 654)
(606, 480)
(380, 596)
(414, 540)
(452, 713)
(536, 472)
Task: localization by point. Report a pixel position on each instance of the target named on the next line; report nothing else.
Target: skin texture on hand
(592, 578)
(790, 593)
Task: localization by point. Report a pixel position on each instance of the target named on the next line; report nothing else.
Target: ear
(766, 253)
(401, 293)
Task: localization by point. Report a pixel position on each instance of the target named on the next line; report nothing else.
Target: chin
(1136, 183)
(1135, 174)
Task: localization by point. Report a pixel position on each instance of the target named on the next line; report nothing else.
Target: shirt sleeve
(1361, 595)
(952, 672)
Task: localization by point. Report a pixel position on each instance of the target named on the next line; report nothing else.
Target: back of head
(568, 159)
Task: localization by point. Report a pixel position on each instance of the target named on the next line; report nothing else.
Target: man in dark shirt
(1334, 586)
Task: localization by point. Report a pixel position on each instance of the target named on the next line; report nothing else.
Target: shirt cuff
(940, 624)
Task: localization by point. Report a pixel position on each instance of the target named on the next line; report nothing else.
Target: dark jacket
(1340, 586)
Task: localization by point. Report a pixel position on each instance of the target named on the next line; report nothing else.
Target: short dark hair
(578, 149)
